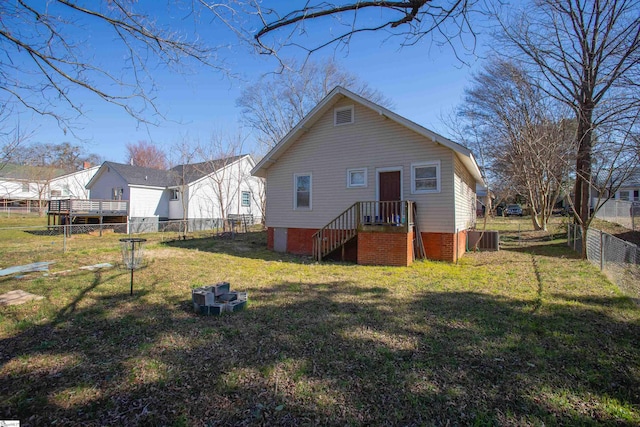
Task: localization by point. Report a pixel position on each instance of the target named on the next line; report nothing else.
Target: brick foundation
(379, 248)
(299, 240)
(445, 246)
(270, 238)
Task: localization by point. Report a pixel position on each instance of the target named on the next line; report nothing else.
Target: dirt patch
(18, 297)
(618, 231)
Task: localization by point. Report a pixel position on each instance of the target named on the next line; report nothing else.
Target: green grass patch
(529, 335)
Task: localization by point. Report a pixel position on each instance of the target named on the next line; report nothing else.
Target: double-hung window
(246, 199)
(302, 191)
(425, 177)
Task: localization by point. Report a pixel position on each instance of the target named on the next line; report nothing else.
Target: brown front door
(389, 192)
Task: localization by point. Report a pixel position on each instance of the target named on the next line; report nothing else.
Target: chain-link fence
(617, 258)
(48, 241)
(622, 212)
(8, 211)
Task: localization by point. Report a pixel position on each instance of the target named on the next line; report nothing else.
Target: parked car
(513, 210)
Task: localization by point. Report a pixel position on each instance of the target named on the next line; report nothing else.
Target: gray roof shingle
(136, 175)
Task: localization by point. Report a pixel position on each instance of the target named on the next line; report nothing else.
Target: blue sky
(423, 81)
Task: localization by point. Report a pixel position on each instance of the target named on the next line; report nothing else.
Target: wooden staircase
(362, 215)
(337, 233)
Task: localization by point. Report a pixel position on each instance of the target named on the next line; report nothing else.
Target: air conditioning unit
(487, 240)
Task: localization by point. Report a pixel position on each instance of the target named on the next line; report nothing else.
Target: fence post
(601, 251)
(64, 239)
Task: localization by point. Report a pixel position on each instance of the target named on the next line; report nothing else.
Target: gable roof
(338, 93)
(192, 172)
(137, 175)
(16, 172)
(92, 169)
(632, 178)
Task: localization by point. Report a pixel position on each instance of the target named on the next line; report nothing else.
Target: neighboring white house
(18, 184)
(629, 189)
(24, 185)
(199, 192)
(347, 151)
(72, 185)
(216, 189)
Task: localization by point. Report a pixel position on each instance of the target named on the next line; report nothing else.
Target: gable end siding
(372, 141)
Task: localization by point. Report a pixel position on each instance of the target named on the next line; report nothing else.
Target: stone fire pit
(217, 299)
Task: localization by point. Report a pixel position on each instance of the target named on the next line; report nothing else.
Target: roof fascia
(271, 157)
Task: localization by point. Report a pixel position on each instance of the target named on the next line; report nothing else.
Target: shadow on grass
(245, 245)
(551, 249)
(326, 353)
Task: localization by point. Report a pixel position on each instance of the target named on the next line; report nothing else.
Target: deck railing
(373, 214)
(98, 207)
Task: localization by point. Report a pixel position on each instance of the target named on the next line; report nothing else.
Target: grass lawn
(529, 335)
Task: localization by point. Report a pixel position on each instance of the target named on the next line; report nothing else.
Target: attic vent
(343, 116)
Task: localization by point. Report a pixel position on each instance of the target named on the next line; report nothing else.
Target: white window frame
(248, 201)
(175, 194)
(295, 192)
(337, 110)
(628, 195)
(414, 166)
(390, 169)
(351, 184)
(26, 187)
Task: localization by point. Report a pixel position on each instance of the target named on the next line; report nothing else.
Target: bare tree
(409, 20)
(213, 177)
(277, 102)
(48, 61)
(219, 155)
(147, 155)
(65, 156)
(12, 139)
(588, 56)
(524, 137)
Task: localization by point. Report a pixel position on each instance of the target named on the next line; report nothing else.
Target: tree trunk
(583, 170)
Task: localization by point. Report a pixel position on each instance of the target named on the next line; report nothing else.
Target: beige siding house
(381, 178)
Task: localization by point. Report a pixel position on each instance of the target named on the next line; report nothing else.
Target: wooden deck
(89, 207)
(76, 211)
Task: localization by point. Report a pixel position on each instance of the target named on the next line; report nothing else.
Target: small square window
(425, 177)
(175, 194)
(624, 195)
(25, 187)
(246, 199)
(356, 178)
